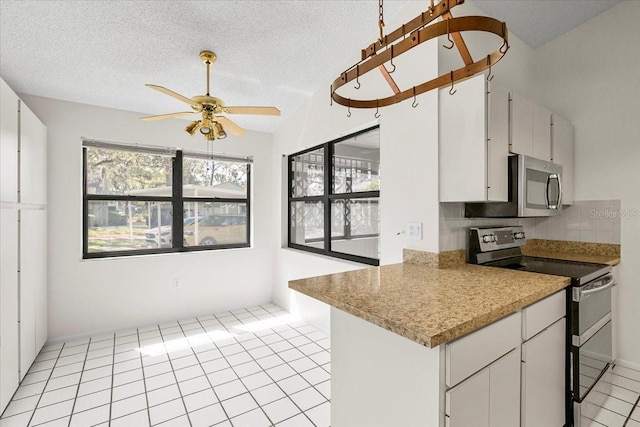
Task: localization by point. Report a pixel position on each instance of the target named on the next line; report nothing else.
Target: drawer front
(540, 315)
(473, 352)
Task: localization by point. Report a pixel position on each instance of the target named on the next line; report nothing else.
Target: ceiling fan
(212, 125)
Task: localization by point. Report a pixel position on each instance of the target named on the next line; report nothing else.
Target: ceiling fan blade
(174, 95)
(230, 126)
(263, 111)
(168, 116)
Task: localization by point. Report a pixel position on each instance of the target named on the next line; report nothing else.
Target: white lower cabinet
(543, 372)
(504, 391)
(33, 291)
(491, 397)
(510, 373)
(467, 404)
(9, 353)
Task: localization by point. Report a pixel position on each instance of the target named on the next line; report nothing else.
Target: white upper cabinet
(562, 154)
(8, 144)
(33, 158)
(473, 142)
(530, 128)
(541, 133)
(521, 122)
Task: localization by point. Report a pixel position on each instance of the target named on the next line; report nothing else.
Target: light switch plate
(414, 230)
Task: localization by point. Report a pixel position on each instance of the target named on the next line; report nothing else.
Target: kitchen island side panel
(380, 379)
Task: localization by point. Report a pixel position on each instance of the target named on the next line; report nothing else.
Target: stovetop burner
(579, 271)
(500, 247)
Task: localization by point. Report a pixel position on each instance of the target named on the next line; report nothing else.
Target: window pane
(213, 178)
(307, 224)
(308, 174)
(127, 173)
(356, 163)
(121, 225)
(213, 223)
(355, 227)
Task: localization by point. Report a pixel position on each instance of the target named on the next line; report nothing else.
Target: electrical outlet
(175, 283)
(414, 230)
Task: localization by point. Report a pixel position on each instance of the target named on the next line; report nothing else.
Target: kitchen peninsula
(411, 343)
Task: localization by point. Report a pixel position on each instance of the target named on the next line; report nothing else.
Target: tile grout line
(295, 370)
(45, 386)
(223, 324)
(631, 412)
(164, 344)
(304, 356)
(255, 361)
(144, 377)
(267, 374)
(79, 382)
(113, 367)
(209, 381)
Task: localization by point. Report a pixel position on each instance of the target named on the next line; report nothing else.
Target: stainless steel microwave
(535, 190)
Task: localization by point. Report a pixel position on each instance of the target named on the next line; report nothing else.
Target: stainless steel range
(589, 336)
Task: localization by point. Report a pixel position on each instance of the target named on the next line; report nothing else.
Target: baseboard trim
(627, 364)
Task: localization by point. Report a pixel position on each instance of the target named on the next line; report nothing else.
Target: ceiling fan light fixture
(205, 127)
(192, 127)
(220, 131)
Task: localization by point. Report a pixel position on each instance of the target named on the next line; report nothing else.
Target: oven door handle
(600, 285)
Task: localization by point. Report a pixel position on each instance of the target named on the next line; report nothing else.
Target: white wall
(98, 295)
(590, 75)
(408, 156)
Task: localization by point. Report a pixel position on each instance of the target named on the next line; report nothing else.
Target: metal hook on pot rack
(377, 114)
(505, 45)
(349, 109)
(392, 64)
(414, 104)
(490, 76)
(448, 38)
(357, 77)
(451, 91)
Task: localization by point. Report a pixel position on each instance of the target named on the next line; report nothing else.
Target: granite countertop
(428, 305)
(599, 253)
(567, 256)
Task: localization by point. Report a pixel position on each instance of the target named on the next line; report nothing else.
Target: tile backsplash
(584, 221)
(454, 226)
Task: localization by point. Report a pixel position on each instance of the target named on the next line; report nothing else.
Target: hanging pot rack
(414, 33)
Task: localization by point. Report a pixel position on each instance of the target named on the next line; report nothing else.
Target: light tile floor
(253, 367)
(620, 407)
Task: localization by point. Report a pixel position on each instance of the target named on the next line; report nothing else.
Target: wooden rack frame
(414, 33)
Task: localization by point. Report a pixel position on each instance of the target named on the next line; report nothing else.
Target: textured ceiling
(537, 22)
(269, 52)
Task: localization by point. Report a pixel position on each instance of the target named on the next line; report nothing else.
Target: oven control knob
(518, 235)
(487, 238)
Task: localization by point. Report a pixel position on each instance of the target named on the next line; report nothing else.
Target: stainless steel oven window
(590, 360)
